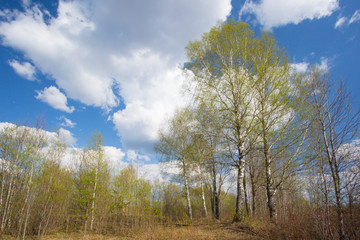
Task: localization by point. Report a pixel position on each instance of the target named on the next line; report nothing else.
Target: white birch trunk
(93, 200)
(187, 195)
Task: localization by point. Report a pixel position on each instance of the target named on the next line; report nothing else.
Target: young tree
(53, 189)
(92, 179)
(337, 125)
(208, 131)
(176, 144)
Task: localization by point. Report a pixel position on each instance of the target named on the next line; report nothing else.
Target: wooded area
(259, 141)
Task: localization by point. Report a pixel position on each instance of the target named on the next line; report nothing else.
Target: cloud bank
(103, 52)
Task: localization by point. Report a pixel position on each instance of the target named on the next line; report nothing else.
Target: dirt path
(216, 230)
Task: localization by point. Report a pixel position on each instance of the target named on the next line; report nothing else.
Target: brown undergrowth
(204, 229)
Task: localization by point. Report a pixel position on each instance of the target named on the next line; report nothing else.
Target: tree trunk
(270, 192)
(253, 192)
(240, 190)
(28, 196)
(332, 159)
(7, 205)
(203, 194)
(187, 195)
(245, 195)
(187, 191)
(93, 199)
(216, 211)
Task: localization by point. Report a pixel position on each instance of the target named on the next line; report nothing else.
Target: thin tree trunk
(203, 193)
(331, 154)
(188, 196)
(245, 195)
(27, 218)
(326, 200)
(253, 192)
(216, 211)
(93, 199)
(28, 195)
(7, 203)
(268, 175)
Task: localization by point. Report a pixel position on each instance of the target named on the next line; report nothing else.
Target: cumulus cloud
(66, 137)
(54, 98)
(25, 69)
(275, 13)
(115, 157)
(99, 52)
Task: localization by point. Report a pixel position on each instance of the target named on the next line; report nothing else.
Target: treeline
(40, 195)
(291, 138)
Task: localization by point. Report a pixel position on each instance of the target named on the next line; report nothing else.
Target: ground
(202, 230)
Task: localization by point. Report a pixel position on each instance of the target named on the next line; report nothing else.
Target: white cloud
(65, 136)
(66, 122)
(300, 67)
(275, 13)
(324, 64)
(355, 17)
(344, 20)
(99, 52)
(115, 157)
(54, 98)
(151, 172)
(4, 125)
(25, 69)
(135, 157)
(340, 22)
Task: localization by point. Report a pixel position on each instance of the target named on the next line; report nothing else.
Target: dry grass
(203, 230)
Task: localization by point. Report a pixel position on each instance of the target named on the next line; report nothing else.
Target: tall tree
(176, 144)
(220, 64)
(337, 124)
(247, 79)
(209, 133)
(92, 179)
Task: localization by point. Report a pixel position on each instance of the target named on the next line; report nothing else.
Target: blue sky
(113, 66)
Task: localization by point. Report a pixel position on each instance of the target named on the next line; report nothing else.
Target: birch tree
(220, 65)
(175, 144)
(92, 178)
(338, 124)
